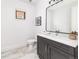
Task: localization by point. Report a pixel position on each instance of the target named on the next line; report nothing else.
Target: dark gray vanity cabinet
(49, 49)
(56, 53)
(42, 48)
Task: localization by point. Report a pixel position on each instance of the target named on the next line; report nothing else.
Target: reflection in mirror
(63, 19)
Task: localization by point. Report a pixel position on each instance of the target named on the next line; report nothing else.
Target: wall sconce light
(54, 1)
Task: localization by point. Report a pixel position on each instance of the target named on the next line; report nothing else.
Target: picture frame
(38, 21)
(20, 15)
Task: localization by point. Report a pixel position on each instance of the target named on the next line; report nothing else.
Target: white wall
(41, 11)
(15, 32)
(74, 22)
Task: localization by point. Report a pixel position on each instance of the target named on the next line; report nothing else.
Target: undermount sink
(56, 35)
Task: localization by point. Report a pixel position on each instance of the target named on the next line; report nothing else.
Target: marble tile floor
(21, 53)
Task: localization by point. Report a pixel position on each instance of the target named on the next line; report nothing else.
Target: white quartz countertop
(61, 39)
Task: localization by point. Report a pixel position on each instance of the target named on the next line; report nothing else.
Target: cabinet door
(42, 48)
(55, 53)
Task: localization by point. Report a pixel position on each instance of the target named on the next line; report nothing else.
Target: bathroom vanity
(61, 19)
(50, 47)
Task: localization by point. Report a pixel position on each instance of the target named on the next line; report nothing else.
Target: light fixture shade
(30, 0)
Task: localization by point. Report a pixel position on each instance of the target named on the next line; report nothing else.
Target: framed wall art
(20, 14)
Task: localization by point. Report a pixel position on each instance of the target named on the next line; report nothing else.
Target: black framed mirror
(62, 17)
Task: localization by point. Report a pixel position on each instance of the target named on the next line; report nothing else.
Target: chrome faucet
(57, 31)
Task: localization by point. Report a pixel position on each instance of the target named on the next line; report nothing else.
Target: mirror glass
(63, 18)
